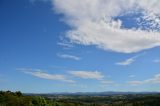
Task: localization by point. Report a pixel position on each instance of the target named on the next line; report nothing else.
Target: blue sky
(79, 46)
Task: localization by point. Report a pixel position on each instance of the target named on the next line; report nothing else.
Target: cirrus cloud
(40, 74)
(87, 74)
(154, 80)
(68, 56)
(129, 61)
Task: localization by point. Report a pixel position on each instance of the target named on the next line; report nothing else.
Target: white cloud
(40, 74)
(126, 62)
(66, 45)
(93, 23)
(87, 74)
(130, 60)
(67, 56)
(154, 80)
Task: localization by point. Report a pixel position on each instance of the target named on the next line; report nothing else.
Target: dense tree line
(8, 98)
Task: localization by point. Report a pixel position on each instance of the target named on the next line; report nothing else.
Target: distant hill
(94, 93)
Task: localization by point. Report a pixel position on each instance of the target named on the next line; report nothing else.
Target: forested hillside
(8, 98)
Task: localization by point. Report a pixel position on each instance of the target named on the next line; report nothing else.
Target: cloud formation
(130, 60)
(126, 62)
(60, 77)
(93, 23)
(87, 74)
(154, 80)
(66, 45)
(40, 74)
(67, 56)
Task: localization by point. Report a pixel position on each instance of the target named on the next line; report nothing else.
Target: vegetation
(8, 98)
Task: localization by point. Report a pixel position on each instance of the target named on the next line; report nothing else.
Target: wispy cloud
(40, 74)
(68, 56)
(66, 45)
(129, 60)
(97, 25)
(87, 74)
(154, 80)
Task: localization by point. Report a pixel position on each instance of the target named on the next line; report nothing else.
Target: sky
(79, 46)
